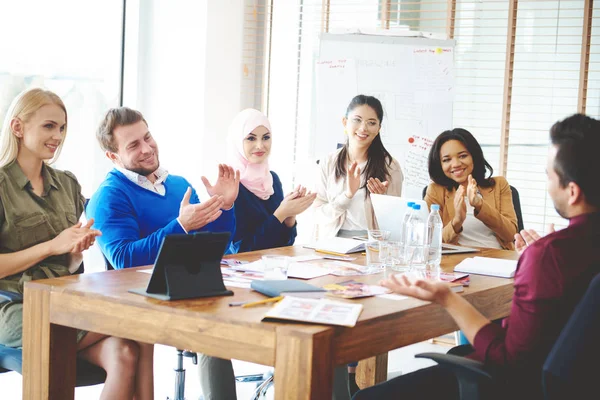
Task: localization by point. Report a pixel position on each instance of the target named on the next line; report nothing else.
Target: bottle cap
(416, 206)
(435, 207)
(410, 204)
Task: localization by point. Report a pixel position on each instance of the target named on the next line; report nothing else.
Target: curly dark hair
(480, 165)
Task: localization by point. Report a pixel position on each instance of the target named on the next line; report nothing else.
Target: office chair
(11, 359)
(516, 204)
(568, 370)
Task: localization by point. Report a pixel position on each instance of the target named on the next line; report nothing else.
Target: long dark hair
(378, 158)
(480, 165)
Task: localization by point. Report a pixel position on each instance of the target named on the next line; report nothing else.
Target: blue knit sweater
(134, 220)
(257, 228)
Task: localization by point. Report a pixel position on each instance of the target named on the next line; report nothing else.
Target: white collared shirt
(161, 175)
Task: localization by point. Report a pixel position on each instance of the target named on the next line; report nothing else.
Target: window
(544, 89)
(514, 76)
(75, 51)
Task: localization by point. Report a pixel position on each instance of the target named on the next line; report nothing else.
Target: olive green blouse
(27, 219)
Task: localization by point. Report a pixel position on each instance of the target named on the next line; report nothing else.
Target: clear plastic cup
(395, 257)
(377, 249)
(275, 267)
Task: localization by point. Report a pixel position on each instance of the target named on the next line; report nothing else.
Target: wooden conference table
(303, 355)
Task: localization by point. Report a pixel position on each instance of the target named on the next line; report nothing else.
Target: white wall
(185, 78)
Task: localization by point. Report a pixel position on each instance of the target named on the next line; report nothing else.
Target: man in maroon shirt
(552, 275)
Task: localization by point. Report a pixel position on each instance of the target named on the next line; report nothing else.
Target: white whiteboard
(413, 78)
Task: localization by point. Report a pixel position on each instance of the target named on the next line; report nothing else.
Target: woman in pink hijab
(264, 217)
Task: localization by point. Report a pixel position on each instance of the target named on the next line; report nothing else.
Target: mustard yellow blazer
(497, 212)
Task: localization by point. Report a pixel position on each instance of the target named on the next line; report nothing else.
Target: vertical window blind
(255, 53)
(545, 83)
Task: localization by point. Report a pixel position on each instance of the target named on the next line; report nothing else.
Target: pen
(246, 304)
(334, 286)
(333, 253)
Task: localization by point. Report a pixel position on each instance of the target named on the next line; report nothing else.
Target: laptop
(390, 210)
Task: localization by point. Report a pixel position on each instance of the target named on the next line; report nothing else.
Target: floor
(400, 361)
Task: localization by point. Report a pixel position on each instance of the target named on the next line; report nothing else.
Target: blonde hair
(24, 106)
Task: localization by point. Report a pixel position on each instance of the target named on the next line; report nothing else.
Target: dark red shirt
(552, 276)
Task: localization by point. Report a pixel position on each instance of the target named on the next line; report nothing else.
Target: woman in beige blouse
(347, 176)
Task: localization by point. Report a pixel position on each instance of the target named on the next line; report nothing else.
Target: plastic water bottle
(434, 238)
(407, 214)
(415, 254)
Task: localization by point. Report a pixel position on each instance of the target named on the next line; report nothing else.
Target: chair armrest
(10, 296)
(458, 363)
(471, 375)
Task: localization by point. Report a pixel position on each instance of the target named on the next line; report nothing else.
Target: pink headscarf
(255, 177)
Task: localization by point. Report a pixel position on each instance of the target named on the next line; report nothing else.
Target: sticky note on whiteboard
(439, 50)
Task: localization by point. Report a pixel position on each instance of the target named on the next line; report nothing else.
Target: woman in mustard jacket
(476, 210)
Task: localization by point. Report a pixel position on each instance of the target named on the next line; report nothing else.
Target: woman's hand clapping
(376, 186)
(293, 204)
(75, 239)
(352, 180)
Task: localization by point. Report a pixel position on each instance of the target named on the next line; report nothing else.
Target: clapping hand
(526, 237)
(352, 180)
(473, 194)
(195, 216)
(75, 239)
(227, 186)
(460, 209)
(376, 186)
(293, 204)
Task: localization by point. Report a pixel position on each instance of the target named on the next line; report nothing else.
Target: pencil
(265, 301)
(333, 253)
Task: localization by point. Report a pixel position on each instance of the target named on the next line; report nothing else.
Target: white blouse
(334, 211)
(476, 233)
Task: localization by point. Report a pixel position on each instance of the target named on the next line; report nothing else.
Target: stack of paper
(338, 245)
(488, 266)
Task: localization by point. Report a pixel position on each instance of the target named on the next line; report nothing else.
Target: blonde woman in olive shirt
(41, 238)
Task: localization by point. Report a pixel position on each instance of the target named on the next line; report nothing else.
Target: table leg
(303, 365)
(49, 351)
(372, 371)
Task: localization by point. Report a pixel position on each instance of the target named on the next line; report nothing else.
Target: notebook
(318, 311)
(454, 249)
(338, 245)
(488, 266)
(287, 287)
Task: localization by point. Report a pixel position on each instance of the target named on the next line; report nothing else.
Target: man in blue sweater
(139, 203)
